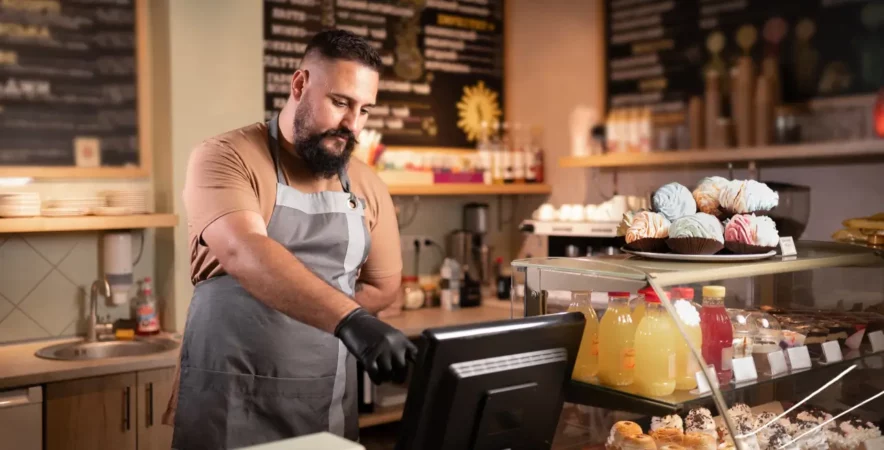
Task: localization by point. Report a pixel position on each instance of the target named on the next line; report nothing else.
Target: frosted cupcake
(748, 234)
(699, 420)
(851, 433)
(697, 234)
(747, 196)
(674, 201)
(706, 195)
(648, 232)
(619, 432)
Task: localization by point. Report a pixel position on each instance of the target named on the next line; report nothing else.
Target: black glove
(383, 350)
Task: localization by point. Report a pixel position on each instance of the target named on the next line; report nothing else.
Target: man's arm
(274, 276)
(376, 294)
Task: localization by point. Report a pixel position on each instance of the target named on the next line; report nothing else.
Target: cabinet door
(91, 414)
(154, 389)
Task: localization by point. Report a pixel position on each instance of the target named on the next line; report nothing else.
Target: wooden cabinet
(154, 389)
(91, 413)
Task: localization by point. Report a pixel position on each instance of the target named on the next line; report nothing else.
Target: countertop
(20, 367)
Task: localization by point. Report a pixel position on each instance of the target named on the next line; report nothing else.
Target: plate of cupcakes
(720, 220)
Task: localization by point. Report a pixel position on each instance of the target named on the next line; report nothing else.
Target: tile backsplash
(45, 280)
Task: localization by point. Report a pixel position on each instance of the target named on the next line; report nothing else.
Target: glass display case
(792, 348)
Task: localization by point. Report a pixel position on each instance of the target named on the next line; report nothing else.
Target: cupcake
(745, 197)
(648, 232)
(670, 421)
(667, 436)
(851, 433)
(706, 195)
(674, 201)
(699, 420)
(748, 233)
(766, 434)
(619, 432)
(699, 441)
(696, 234)
(639, 442)
(808, 435)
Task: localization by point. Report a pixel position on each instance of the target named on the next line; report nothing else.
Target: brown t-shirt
(235, 172)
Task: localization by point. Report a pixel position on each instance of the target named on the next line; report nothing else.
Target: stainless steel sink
(82, 350)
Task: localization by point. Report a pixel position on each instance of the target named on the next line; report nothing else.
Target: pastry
(778, 438)
(625, 223)
(674, 201)
(648, 232)
(668, 436)
(748, 233)
(699, 420)
(671, 447)
(639, 442)
(706, 195)
(699, 441)
(770, 429)
(851, 433)
(814, 439)
(670, 421)
(619, 432)
(696, 234)
(749, 196)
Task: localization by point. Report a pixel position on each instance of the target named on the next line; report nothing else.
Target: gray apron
(249, 373)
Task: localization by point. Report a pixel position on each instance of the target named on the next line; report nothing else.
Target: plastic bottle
(718, 333)
(617, 342)
(147, 321)
(655, 340)
(639, 312)
(587, 364)
(686, 366)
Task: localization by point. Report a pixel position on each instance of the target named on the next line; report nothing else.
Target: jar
(412, 294)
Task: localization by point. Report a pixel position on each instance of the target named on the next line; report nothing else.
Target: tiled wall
(45, 280)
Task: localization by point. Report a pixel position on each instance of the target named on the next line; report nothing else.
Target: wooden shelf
(81, 223)
(817, 151)
(471, 189)
(381, 416)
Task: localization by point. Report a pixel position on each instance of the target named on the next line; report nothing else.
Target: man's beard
(321, 162)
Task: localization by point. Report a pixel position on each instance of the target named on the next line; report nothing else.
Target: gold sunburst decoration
(478, 104)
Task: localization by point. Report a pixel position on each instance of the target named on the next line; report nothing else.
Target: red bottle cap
(618, 294)
(685, 293)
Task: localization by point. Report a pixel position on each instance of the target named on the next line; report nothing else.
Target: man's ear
(299, 82)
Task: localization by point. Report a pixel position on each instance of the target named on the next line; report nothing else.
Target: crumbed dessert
(851, 433)
(619, 432)
(670, 421)
(699, 420)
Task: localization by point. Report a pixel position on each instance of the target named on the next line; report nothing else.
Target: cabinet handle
(149, 405)
(126, 398)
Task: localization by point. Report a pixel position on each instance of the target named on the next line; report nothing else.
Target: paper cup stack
(72, 206)
(19, 204)
(133, 200)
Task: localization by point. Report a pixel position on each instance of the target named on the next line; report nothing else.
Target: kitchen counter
(20, 367)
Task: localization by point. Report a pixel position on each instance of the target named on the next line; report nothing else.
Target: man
(280, 223)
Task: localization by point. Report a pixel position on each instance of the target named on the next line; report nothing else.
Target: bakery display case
(793, 349)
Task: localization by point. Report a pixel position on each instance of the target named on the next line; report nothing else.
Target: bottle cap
(713, 291)
(683, 292)
(618, 294)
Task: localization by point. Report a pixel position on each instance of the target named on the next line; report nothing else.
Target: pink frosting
(741, 228)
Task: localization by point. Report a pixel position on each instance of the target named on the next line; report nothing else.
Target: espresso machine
(469, 248)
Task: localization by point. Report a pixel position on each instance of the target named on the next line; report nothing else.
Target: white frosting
(759, 197)
(670, 421)
(674, 201)
(766, 232)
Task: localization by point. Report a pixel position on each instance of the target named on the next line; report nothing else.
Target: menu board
(443, 62)
(658, 50)
(68, 83)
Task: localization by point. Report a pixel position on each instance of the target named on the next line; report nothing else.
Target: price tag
(787, 246)
(702, 385)
(874, 444)
(799, 357)
(877, 340)
(832, 352)
(744, 370)
(777, 362)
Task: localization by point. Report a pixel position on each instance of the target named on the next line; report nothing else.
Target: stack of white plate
(63, 211)
(19, 204)
(133, 200)
(88, 204)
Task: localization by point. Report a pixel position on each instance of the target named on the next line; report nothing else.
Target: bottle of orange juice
(617, 342)
(655, 340)
(587, 364)
(639, 312)
(686, 366)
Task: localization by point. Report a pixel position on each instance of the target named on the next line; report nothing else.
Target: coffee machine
(469, 248)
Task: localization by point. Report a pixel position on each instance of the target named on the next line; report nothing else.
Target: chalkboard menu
(68, 83)
(658, 50)
(443, 62)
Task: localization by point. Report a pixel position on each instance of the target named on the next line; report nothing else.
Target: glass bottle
(655, 340)
(587, 364)
(617, 342)
(686, 366)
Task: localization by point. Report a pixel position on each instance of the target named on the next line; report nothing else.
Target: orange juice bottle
(655, 340)
(587, 364)
(639, 312)
(686, 366)
(617, 342)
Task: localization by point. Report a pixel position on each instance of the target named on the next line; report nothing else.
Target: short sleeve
(217, 183)
(385, 256)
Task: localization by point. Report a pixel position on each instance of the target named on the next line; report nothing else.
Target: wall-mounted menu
(443, 62)
(68, 83)
(658, 50)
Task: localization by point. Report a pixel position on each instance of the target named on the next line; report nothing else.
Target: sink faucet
(98, 287)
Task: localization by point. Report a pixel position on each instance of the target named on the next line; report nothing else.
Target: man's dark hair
(342, 44)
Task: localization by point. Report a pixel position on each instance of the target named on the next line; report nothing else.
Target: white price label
(832, 352)
(727, 356)
(799, 357)
(787, 246)
(877, 340)
(874, 444)
(744, 370)
(777, 362)
(702, 385)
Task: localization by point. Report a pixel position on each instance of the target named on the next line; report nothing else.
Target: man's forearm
(372, 298)
(269, 272)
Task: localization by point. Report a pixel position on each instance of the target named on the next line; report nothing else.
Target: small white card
(744, 370)
(799, 357)
(702, 385)
(787, 246)
(874, 444)
(832, 352)
(777, 362)
(87, 151)
(877, 340)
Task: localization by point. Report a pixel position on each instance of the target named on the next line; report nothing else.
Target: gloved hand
(383, 350)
